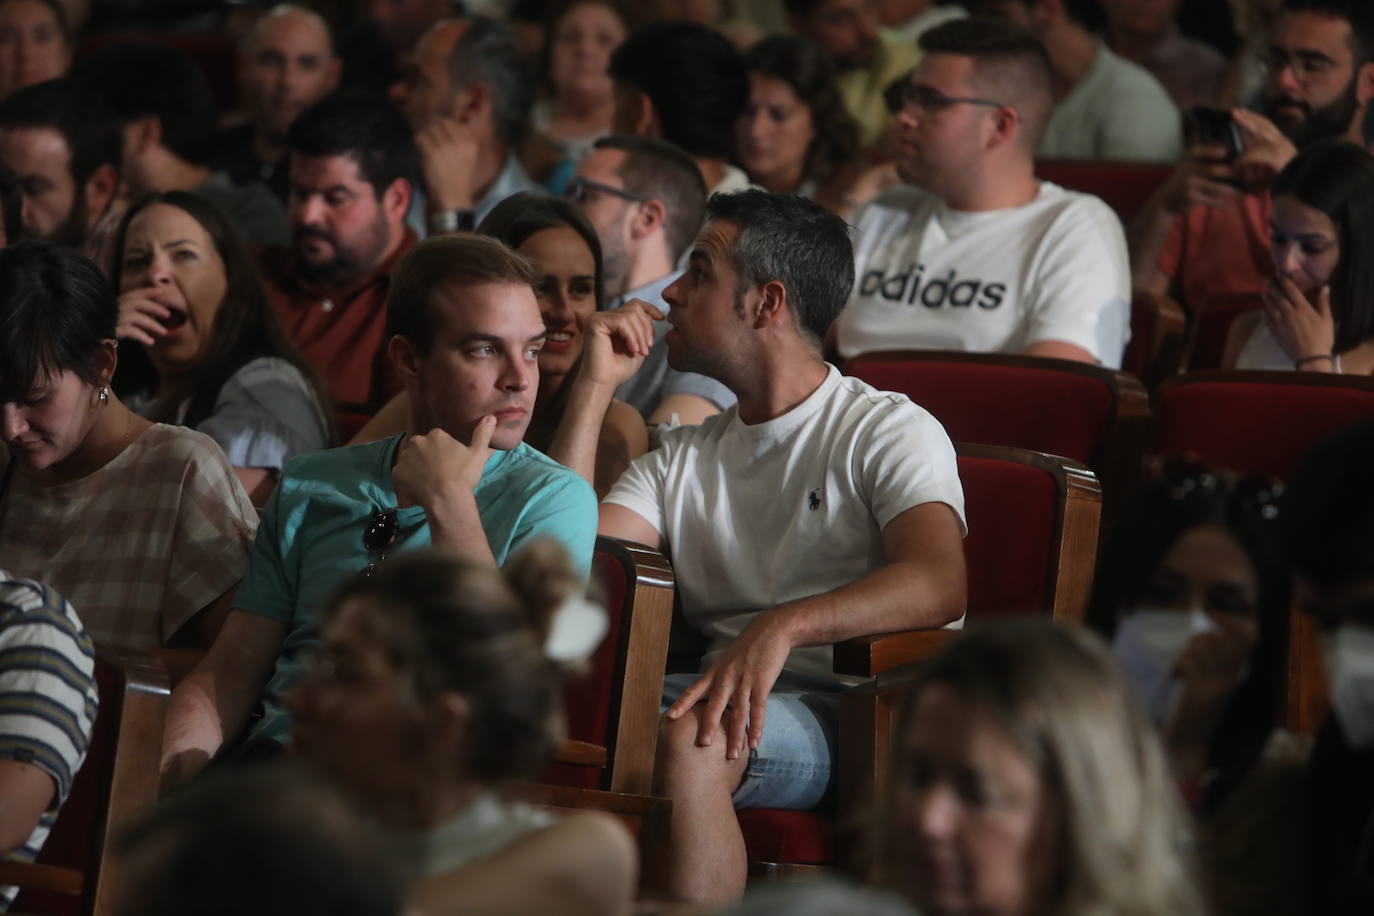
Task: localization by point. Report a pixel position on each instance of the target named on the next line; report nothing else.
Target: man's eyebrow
(481, 337)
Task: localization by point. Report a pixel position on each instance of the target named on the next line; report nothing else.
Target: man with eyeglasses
(1204, 235)
(464, 335)
(1106, 107)
(645, 198)
(974, 253)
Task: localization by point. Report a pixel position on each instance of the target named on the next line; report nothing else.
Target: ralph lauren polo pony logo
(815, 499)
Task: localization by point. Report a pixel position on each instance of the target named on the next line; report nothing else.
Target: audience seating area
(1033, 524)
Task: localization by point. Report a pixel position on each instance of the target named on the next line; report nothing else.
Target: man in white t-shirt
(1106, 107)
(973, 253)
(815, 510)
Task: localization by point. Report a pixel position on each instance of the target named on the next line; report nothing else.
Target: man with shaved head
(288, 64)
(974, 253)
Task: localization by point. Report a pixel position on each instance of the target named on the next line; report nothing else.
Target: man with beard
(1205, 233)
(63, 146)
(354, 168)
(289, 64)
(867, 57)
(645, 198)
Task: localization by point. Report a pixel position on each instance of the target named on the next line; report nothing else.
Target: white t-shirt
(758, 515)
(931, 278)
(1117, 111)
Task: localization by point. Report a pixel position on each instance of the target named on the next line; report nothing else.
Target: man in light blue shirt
(465, 334)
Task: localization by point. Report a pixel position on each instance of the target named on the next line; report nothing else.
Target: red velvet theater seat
(1033, 522)
(1211, 327)
(1158, 333)
(1123, 186)
(1257, 422)
(1084, 413)
(613, 708)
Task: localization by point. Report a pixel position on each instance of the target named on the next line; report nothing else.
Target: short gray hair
(488, 53)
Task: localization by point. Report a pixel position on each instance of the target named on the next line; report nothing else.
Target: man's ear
(452, 713)
(772, 307)
(404, 357)
(100, 189)
(1364, 83)
(1006, 127)
(143, 133)
(396, 200)
(472, 104)
(649, 217)
(646, 123)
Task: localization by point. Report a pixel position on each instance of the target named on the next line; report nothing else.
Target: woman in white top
(206, 349)
(432, 692)
(1318, 311)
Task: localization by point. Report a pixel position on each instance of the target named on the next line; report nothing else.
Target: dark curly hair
(804, 65)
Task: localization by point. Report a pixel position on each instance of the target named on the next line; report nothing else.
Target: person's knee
(677, 738)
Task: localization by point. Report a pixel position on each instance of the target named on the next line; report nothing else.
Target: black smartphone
(1215, 127)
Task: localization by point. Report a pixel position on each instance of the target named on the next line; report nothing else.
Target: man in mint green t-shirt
(465, 333)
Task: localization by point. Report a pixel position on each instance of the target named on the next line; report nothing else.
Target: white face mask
(1147, 644)
(1349, 657)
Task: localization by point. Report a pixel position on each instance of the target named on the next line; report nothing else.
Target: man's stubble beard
(348, 263)
(1328, 122)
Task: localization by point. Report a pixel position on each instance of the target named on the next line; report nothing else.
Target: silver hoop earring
(104, 395)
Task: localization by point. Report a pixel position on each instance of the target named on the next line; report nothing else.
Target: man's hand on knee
(739, 681)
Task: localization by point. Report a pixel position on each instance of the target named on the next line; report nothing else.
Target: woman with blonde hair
(1026, 779)
(437, 687)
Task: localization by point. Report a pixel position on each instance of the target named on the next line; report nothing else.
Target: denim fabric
(792, 766)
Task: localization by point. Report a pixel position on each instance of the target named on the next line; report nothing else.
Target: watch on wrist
(452, 221)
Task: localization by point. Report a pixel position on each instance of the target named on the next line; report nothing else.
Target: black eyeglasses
(378, 536)
(577, 189)
(1305, 64)
(901, 95)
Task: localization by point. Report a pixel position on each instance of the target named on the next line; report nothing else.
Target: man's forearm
(895, 597)
(575, 440)
(455, 526)
(195, 728)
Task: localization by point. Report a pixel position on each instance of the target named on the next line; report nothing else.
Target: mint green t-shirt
(311, 537)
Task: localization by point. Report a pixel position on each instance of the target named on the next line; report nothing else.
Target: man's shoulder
(330, 467)
(534, 472)
(894, 210)
(1116, 81)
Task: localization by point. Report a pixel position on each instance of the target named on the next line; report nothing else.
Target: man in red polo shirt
(353, 172)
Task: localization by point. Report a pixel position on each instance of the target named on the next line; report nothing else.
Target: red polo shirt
(340, 331)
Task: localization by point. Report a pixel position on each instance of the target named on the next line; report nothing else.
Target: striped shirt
(47, 694)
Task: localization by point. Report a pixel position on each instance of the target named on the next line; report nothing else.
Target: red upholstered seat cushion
(792, 837)
(1041, 409)
(589, 699)
(1254, 427)
(1212, 325)
(1123, 186)
(1010, 510)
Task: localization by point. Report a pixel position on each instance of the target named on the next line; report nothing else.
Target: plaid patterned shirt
(47, 695)
(140, 545)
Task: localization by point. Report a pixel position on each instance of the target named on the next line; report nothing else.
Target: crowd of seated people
(331, 368)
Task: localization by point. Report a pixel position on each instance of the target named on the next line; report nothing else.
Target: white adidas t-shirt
(758, 515)
(931, 278)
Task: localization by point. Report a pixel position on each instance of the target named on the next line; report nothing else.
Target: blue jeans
(792, 766)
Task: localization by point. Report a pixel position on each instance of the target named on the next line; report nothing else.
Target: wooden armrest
(869, 656)
(580, 753)
(38, 877)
